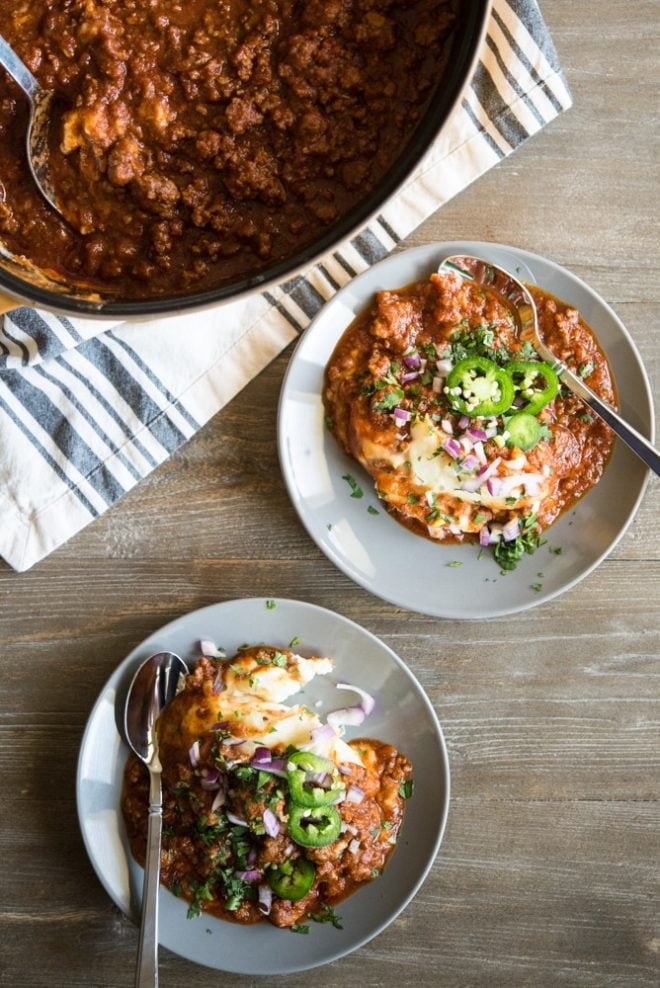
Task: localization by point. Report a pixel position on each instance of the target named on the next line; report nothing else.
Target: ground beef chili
(202, 140)
(221, 867)
(455, 477)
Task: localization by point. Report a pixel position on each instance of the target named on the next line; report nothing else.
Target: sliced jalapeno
(535, 381)
(524, 431)
(313, 826)
(313, 781)
(292, 879)
(477, 387)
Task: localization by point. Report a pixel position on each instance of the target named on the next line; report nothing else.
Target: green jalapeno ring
(478, 387)
(303, 769)
(524, 431)
(313, 827)
(525, 374)
(292, 879)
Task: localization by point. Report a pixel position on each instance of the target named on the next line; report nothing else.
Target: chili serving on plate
(267, 812)
(465, 430)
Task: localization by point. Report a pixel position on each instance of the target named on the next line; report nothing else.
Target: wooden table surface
(548, 874)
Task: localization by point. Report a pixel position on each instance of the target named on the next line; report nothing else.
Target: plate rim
(142, 649)
(447, 248)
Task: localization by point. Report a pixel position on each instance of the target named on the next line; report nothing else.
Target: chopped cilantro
(356, 490)
(327, 915)
(454, 563)
(556, 550)
(584, 370)
(389, 400)
(406, 788)
(270, 604)
(537, 587)
(299, 928)
(413, 499)
(372, 510)
(294, 642)
(509, 554)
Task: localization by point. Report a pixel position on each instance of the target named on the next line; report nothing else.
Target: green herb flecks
(356, 490)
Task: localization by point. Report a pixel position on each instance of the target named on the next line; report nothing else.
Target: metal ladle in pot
(155, 683)
(520, 302)
(41, 108)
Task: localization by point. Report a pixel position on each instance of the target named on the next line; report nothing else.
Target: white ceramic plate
(403, 717)
(383, 556)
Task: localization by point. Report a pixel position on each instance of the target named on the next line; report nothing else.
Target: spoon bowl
(38, 132)
(523, 308)
(154, 685)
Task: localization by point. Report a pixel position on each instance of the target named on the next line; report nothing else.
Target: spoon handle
(18, 70)
(146, 973)
(637, 442)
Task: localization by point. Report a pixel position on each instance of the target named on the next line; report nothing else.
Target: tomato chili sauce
(468, 435)
(251, 833)
(201, 141)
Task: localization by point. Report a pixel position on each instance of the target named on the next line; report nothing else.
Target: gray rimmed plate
(403, 716)
(382, 556)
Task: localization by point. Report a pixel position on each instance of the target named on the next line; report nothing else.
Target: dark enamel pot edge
(457, 76)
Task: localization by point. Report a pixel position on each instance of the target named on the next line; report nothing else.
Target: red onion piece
(220, 798)
(271, 823)
(262, 756)
(478, 450)
(495, 534)
(410, 376)
(413, 360)
(193, 754)
(401, 416)
(368, 703)
(471, 484)
(219, 681)
(463, 422)
(236, 819)
(452, 447)
(470, 463)
(444, 366)
(484, 536)
(355, 794)
(477, 434)
(487, 471)
(511, 530)
(210, 649)
(354, 846)
(265, 899)
(494, 485)
(251, 875)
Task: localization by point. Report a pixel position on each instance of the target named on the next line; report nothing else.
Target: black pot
(25, 285)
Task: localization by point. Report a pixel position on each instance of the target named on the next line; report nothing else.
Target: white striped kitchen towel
(88, 408)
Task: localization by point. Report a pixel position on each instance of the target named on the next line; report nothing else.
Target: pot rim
(455, 81)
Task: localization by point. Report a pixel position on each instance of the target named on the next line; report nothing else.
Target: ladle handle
(637, 442)
(18, 70)
(146, 972)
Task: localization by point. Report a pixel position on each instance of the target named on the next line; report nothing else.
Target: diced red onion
(491, 431)
(484, 536)
(236, 819)
(262, 756)
(354, 794)
(211, 780)
(452, 447)
(495, 534)
(220, 725)
(271, 823)
(412, 360)
(444, 366)
(354, 846)
(323, 733)
(210, 649)
(368, 703)
(447, 427)
(470, 463)
(220, 798)
(494, 485)
(193, 754)
(478, 450)
(511, 530)
(478, 435)
(265, 899)
(409, 376)
(345, 770)
(401, 416)
(251, 875)
(232, 742)
(219, 681)
(463, 422)
(487, 471)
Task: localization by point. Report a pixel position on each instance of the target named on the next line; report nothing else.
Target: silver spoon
(41, 108)
(522, 305)
(153, 686)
